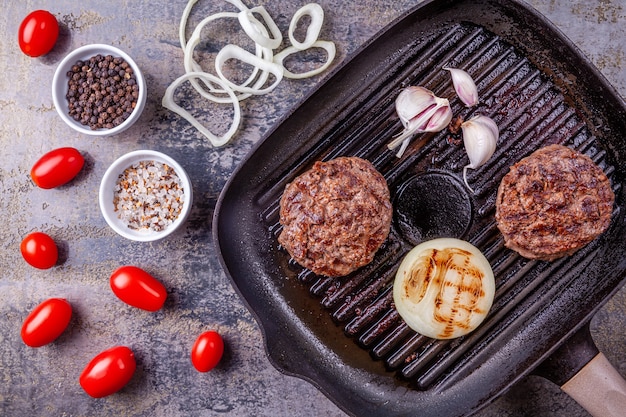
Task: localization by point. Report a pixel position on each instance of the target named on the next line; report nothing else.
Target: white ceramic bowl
(60, 88)
(107, 192)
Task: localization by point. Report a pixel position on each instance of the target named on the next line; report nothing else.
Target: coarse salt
(148, 195)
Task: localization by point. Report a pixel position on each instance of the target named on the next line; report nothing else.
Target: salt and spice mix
(102, 91)
(148, 195)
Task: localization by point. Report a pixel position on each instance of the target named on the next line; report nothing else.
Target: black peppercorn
(102, 91)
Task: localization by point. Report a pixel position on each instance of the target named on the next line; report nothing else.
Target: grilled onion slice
(444, 288)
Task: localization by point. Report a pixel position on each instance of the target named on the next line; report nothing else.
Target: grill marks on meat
(335, 216)
(553, 203)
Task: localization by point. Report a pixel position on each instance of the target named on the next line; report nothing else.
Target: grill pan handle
(587, 376)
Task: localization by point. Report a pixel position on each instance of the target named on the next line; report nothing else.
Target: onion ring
(316, 13)
(169, 103)
(235, 52)
(183, 23)
(267, 37)
(251, 25)
(192, 66)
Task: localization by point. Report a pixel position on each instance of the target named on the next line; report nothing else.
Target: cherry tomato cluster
(55, 168)
(112, 369)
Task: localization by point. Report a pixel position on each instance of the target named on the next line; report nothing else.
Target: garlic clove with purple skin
(419, 110)
(480, 135)
(439, 120)
(464, 86)
(412, 102)
(414, 126)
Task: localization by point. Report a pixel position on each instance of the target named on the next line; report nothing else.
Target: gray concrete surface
(44, 381)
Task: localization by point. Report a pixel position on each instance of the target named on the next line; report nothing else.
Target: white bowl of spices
(98, 90)
(145, 195)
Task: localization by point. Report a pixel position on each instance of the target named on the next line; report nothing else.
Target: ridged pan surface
(344, 334)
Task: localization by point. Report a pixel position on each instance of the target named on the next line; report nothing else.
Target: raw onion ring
(169, 103)
(192, 66)
(183, 23)
(235, 52)
(316, 13)
(251, 25)
(221, 90)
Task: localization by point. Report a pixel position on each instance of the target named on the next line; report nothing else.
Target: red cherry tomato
(207, 351)
(137, 288)
(46, 322)
(39, 250)
(57, 167)
(38, 33)
(108, 372)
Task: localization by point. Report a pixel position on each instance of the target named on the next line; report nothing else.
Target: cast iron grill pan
(344, 334)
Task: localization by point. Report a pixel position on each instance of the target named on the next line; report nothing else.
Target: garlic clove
(413, 126)
(480, 135)
(419, 110)
(439, 120)
(412, 102)
(464, 86)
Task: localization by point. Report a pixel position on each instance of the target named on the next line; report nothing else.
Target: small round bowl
(60, 88)
(107, 193)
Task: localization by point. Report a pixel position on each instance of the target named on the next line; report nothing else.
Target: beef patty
(335, 216)
(552, 203)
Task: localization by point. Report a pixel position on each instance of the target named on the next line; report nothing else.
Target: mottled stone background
(44, 381)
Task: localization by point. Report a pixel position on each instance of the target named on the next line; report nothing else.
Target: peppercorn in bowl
(99, 90)
(145, 195)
